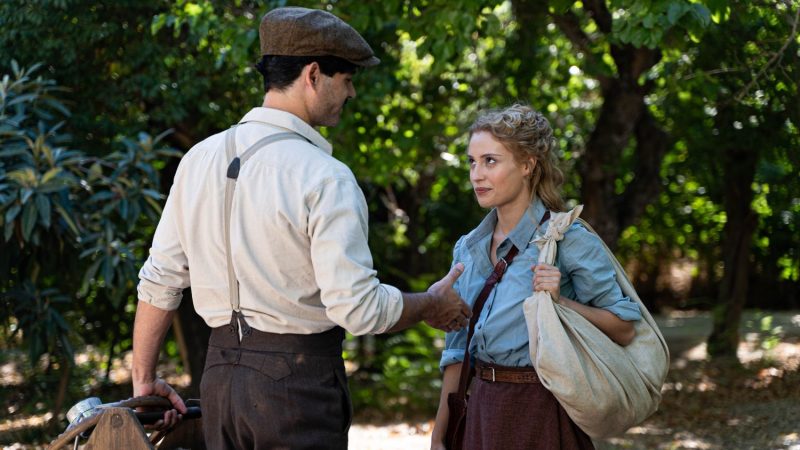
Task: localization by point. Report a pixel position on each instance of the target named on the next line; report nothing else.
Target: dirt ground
(703, 407)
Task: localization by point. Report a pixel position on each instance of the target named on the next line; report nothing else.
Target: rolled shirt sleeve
(584, 259)
(349, 289)
(453, 352)
(165, 274)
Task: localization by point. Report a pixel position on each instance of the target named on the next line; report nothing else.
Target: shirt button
(479, 326)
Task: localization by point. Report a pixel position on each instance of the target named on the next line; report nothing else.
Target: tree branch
(569, 24)
(599, 12)
(776, 57)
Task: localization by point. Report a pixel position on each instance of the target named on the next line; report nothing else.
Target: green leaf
(23, 177)
(67, 218)
(12, 212)
(53, 186)
(153, 204)
(90, 251)
(702, 13)
(13, 152)
(152, 194)
(21, 99)
(43, 207)
(107, 270)
(50, 174)
(28, 220)
(123, 208)
(25, 195)
(675, 11)
(8, 230)
(57, 106)
(101, 196)
(88, 276)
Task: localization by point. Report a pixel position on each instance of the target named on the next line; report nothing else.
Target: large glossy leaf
(44, 210)
(28, 220)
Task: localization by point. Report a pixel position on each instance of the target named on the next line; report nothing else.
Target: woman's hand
(450, 378)
(547, 278)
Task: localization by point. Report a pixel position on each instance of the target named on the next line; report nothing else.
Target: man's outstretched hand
(447, 309)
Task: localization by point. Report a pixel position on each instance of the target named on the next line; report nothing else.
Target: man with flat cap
(270, 231)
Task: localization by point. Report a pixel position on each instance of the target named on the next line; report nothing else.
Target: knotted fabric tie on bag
(604, 387)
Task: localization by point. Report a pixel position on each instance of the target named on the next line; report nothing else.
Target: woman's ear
(529, 166)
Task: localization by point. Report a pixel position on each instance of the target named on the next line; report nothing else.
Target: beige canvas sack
(604, 387)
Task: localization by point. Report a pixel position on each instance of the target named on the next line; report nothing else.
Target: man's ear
(312, 74)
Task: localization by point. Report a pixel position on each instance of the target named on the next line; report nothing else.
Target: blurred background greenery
(677, 122)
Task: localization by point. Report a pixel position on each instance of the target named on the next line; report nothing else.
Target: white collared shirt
(298, 235)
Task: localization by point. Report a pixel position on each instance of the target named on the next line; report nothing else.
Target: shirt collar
(289, 121)
(521, 235)
(525, 230)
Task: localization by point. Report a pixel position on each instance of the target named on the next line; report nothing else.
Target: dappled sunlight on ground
(37, 420)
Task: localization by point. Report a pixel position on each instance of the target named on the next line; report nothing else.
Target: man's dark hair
(279, 72)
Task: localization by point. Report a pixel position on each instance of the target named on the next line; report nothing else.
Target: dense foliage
(677, 122)
(75, 227)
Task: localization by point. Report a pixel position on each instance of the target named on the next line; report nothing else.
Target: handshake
(440, 307)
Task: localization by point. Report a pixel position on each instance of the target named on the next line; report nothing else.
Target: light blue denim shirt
(501, 335)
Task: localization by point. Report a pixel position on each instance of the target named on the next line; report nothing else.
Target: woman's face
(497, 178)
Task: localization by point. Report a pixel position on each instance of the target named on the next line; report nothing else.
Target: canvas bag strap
(467, 369)
(232, 174)
(622, 277)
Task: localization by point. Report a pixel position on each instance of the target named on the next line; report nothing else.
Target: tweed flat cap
(294, 31)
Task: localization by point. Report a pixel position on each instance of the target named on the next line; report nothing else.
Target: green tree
(739, 117)
(630, 87)
(74, 226)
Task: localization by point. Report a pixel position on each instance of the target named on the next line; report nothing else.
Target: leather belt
(502, 374)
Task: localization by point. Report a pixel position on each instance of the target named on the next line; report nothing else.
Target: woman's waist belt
(503, 374)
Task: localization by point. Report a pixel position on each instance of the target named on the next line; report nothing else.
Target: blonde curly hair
(526, 133)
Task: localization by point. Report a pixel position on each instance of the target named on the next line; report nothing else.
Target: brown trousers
(512, 416)
(275, 391)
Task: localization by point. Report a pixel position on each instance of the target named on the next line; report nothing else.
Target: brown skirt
(513, 416)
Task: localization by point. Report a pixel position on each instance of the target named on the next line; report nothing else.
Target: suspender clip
(233, 168)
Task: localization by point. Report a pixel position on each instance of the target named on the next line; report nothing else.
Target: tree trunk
(740, 168)
(652, 143)
(600, 166)
(61, 394)
(622, 116)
